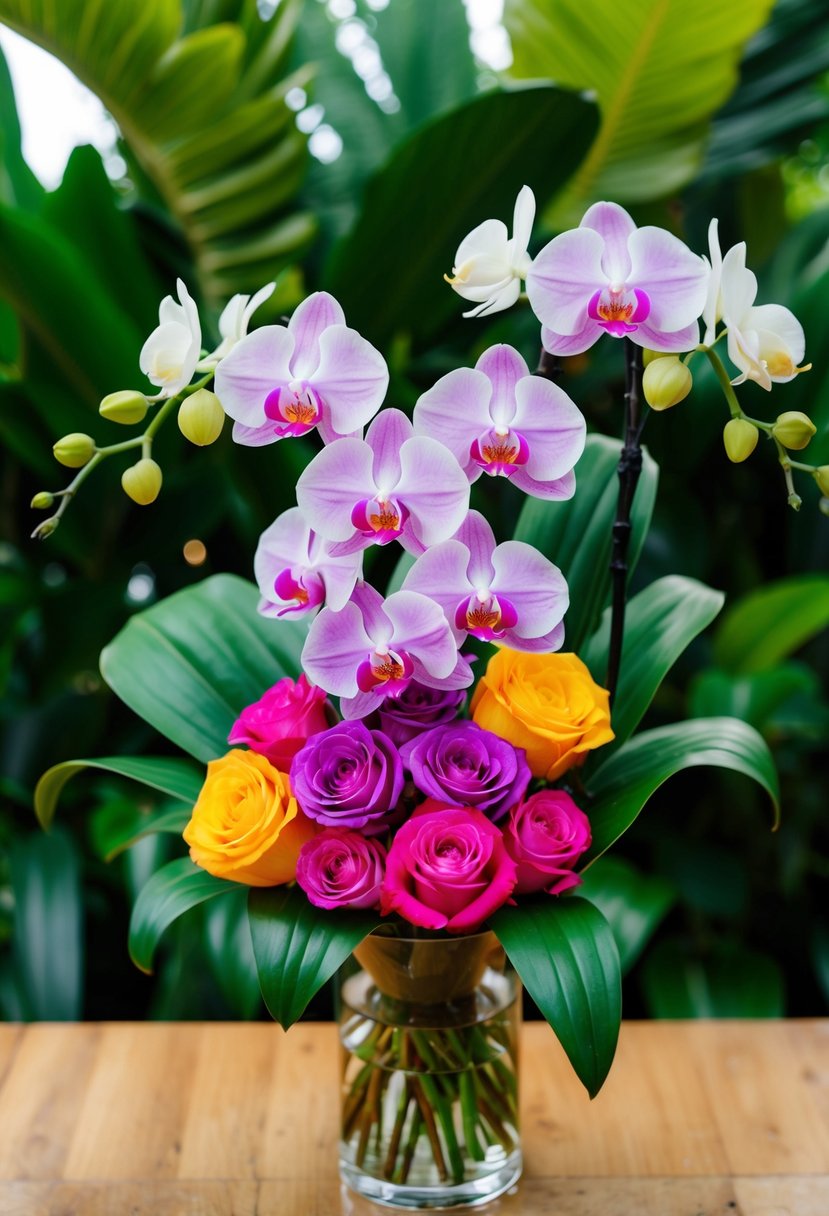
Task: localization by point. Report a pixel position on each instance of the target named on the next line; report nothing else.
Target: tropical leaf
(771, 623)
(757, 698)
(632, 903)
(191, 663)
(230, 951)
(18, 185)
(119, 825)
(298, 947)
(577, 534)
(623, 784)
(172, 776)
(173, 890)
(660, 70)
(660, 622)
(565, 954)
(730, 982)
(204, 114)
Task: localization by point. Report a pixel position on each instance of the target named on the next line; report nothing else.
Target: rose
(341, 869)
(281, 720)
(447, 868)
(548, 704)
(246, 824)
(463, 765)
(419, 708)
(348, 777)
(545, 836)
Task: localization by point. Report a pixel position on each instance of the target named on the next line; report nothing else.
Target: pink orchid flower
(608, 276)
(297, 572)
(506, 593)
(496, 418)
(392, 485)
(282, 381)
(374, 648)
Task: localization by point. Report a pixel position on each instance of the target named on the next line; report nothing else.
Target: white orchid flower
(490, 265)
(712, 312)
(170, 354)
(234, 321)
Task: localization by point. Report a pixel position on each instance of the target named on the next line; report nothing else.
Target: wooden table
(697, 1119)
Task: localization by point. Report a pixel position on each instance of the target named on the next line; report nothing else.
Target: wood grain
(697, 1119)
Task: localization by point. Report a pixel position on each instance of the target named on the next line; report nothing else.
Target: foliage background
(699, 110)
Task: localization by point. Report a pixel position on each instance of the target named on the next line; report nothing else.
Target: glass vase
(429, 1032)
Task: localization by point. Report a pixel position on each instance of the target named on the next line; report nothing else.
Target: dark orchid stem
(630, 466)
(549, 366)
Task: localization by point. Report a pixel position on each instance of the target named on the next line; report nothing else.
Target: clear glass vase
(429, 1049)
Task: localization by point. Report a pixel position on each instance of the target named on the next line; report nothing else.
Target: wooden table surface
(697, 1119)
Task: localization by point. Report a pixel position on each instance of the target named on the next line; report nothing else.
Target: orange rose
(548, 704)
(246, 824)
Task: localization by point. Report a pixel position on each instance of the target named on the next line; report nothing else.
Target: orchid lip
(499, 452)
(386, 672)
(619, 309)
(487, 618)
(382, 519)
(302, 590)
(295, 407)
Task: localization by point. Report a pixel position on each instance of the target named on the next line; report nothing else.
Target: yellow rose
(548, 704)
(246, 824)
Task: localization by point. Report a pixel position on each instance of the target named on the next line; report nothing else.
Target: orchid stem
(629, 469)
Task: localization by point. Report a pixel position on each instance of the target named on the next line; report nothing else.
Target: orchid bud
(45, 529)
(42, 501)
(740, 439)
(793, 429)
(822, 478)
(74, 450)
(201, 418)
(142, 482)
(648, 356)
(823, 506)
(125, 407)
(666, 382)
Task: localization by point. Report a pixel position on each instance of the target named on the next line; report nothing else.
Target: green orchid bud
(43, 501)
(201, 418)
(666, 382)
(46, 528)
(793, 429)
(125, 407)
(142, 482)
(740, 439)
(74, 450)
(822, 479)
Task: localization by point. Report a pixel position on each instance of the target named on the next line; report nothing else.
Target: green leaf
(18, 185)
(172, 776)
(48, 926)
(731, 981)
(172, 891)
(772, 622)
(660, 70)
(421, 193)
(633, 904)
(117, 826)
(623, 784)
(564, 952)
(660, 622)
(298, 947)
(756, 698)
(191, 663)
(230, 951)
(577, 534)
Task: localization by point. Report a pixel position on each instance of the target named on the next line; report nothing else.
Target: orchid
(490, 265)
(296, 571)
(608, 276)
(169, 356)
(496, 418)
(393, 485)
(281, 381)
(234, 321)
(374, 648)
(507, 593)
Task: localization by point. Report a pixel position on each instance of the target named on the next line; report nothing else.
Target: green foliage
(730, 982)
(298, 947)
(771, 623)
(633, 904)
(173, 890)
(566, 955)
(116, 826)
(170, 775)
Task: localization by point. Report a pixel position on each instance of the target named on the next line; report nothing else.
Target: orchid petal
(461, 675)
(654, 339)
(433, 487)
(557, 490)
(256, 300)
(256, 366)
(352, 378)
(503, 367)
(484, 247)
(386, 437)
(311, 318)
(455, 410)
(712, 310)
(563, 277)
(337, 643)
(379, 626)
(744, 353)
(335, 480)
(421, 629)
(522, 220)
(782, 341)
(441, 575)
(359, 706)
(674, 278)
(479, 539)
(543, 645)
(536, 588)
(231, 319)
(615, 226)
(340, 576)
(501, 296)
(571, 344)
(553, 426)
(738, 286)
(255, 436)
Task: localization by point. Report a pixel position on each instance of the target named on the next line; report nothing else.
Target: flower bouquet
(418, 775)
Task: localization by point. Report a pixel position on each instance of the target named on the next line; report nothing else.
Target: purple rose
(546, 836)
(341, 869)
(348, 777)
(419, 708)
(467, 766)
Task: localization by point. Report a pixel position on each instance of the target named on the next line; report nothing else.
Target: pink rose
(546, 835)
(277, 725)
(447, 869)
(340, 868)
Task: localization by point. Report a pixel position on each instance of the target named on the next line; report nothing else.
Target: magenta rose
(447, 869)
(277, 725)
(546, 835)
(419, 708)
(341, 869)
